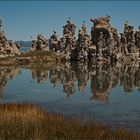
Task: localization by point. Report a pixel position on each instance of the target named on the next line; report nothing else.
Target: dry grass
(7, 61)
(29, 57)
(40, 56)
(24, 121)
(37, 53)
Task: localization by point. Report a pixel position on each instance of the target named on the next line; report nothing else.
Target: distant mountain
(25, 43)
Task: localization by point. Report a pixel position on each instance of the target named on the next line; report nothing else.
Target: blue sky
(22, 19)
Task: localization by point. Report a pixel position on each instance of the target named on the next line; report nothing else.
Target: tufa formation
(104, 44)
(7, 47)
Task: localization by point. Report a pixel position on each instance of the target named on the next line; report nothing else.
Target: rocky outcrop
(84, 48)
(40, 44)
(104, 44)
(70, 39)
(101, 24)
(112, 47)
(53, 41)
(129, 43)
(105, 38)
(7, 48)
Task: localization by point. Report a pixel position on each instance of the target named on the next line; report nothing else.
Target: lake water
(103, 92)
(25, 49)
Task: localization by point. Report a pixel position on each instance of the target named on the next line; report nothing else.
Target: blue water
(25, 49)
(105, 93)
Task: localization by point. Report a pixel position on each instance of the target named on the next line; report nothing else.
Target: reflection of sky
(24, 19)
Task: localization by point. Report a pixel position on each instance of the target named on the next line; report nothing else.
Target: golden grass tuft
(23, 121)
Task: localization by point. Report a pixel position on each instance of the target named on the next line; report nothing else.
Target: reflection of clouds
(103, 77)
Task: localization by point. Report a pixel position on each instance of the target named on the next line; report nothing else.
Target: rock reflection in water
(40, 76)
(7, 73)
(82, 75)
(102, 78)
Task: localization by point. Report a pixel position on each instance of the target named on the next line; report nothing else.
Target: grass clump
(23, 121)
(37, 53)
(30, 57)
(40, 56)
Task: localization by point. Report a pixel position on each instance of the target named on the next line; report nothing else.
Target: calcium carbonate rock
(104, 44)
(7, 48)
(40, 44)
(129, 43)
(70, 40)
(105, 38)
(83, 44)
(54, 42)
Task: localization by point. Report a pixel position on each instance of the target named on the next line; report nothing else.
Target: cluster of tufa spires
(104, 43)
(7, 47)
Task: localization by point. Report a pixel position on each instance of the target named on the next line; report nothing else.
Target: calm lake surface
(103, 92)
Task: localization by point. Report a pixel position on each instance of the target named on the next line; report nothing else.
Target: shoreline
(40, 57)
(26, 121)
(30, 58)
